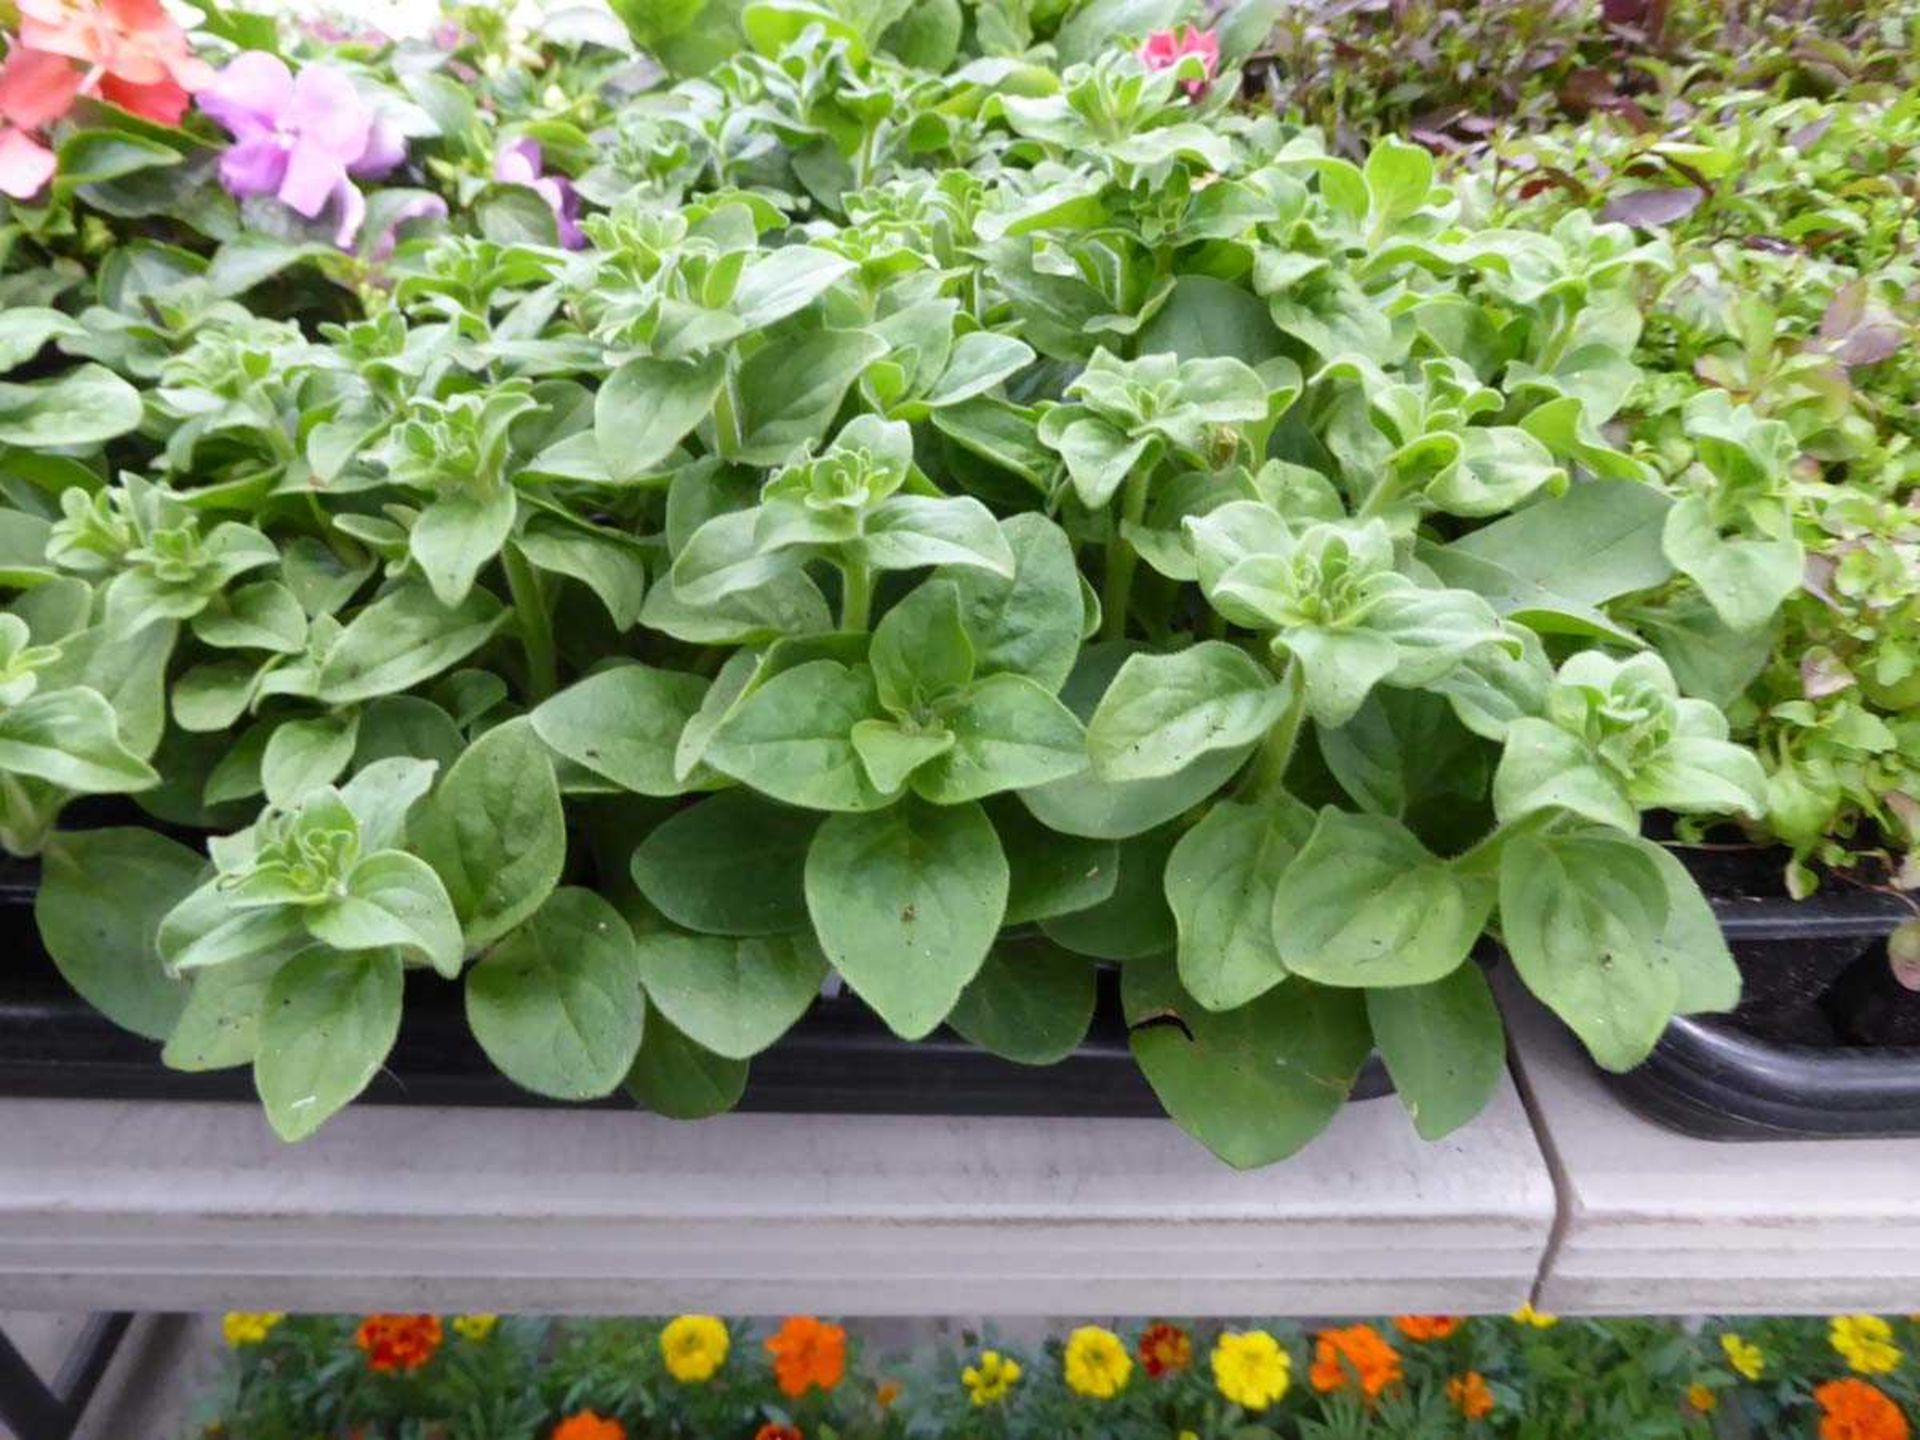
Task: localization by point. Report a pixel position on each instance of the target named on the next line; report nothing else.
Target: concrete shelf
(198, 1207)
(1654, 1222)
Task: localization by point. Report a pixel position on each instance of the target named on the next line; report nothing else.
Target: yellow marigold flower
(885, 1393)
(1865, 1342)
(1744, 1356)
(1189, 1435)
(249, 1327)
(989, 1382)
(475, 1327)
(694, 1347)
(1251, 1369)
(1097, 1364)
(1527, 1315)
(1702, 1399)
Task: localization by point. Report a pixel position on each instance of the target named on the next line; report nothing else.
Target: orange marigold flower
(589, 1426)
(1165, 1350)
(398, 1344)
(770, 1431)
(1355, 1355)
(1854, 1410)
(1469, 1395)
(807, 1352)
(885, 1393)
(1427, 1327)
(1702, 1398)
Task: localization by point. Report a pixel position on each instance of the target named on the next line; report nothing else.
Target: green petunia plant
(964, 520)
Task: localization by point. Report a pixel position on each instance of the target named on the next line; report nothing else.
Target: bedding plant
(936, 500)
(1404, 1377)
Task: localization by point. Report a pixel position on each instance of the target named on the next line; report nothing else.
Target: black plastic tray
(839, 1059)
(1742, 1077)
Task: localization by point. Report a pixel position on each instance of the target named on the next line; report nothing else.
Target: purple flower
(518, 163)
(301, 139)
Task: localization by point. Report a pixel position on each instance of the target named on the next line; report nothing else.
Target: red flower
(1166, 48)
(771, 1431)
(398, 1344)
(1165, 1350)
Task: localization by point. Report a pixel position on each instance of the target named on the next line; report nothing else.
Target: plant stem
(1268, 772)
(536, 624)
(1117, 592)
(856, 597)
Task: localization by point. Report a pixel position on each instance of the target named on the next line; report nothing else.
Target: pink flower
(35, 90)
(131, 51)
(518, 163)
(1166, 48)
(301, 139)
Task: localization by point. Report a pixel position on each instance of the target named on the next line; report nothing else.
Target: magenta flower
(1166, 48)
(518, 163)
(301, 139)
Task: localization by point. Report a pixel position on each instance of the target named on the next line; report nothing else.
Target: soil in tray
(1814, 971)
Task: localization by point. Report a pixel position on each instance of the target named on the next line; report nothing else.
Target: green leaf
(403, 638)
(623, 724)
(85, 406)
(1099, 809)
(71, 738)
(1163, 712)
(1544, 768)
(1027, 625)
(784, 283)
(457, 535)
(102, 896)
(1366, 904)
(605, 562)
(792, 738)
(906, 902)
(787, 392)
(1220, 885)
(906, 532)
(1135, 920)
(928, 36)
(393, 900)
(1565, 554)
(1049, 873)
(1745, 578)
(264, 616)
(920, 651)
(1583, 914)
(304, 755)
(1092, 26)
(1031, 1003)
(1008, 734)
(495, 833)
(731, 865)
(733, 995)
(648, 406)
(557, 1004)
(220, 1026)
(1399, 179)
(328, 1024)
(1205, 317)
(1444, 1047)
(1254, 1084)
(25, 330)
(680, 1079)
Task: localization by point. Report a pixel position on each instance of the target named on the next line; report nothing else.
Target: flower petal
(386, 148)
(254, 166)
(353, 210)
(251, 94)
(36, 88)
(162, 101)
(329, 114)
(313, 173)
(25, 164)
